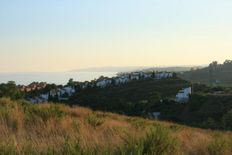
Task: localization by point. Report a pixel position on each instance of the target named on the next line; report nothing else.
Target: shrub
(156, 142)
(44, 112)
(175, 127)
(94, 121)
(4, 102)
(138, 123)
(72, 148)
(8, 149)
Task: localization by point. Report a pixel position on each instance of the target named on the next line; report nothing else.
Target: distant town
(47, 92)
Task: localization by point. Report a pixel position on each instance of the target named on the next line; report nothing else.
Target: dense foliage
(134, 98)
(10, 90)
(203, 110)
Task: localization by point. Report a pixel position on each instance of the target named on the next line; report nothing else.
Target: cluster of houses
(63, 93)
(33, 86)
(59, 94)
(124, 78)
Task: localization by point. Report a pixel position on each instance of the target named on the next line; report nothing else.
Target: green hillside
(55, 129)
(214, 74)
(132, 98)
(208, 107)
(203, 110)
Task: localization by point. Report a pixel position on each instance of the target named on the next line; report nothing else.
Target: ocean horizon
(59, 78)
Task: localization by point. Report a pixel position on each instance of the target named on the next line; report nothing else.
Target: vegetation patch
(53, 129)
(94, 121)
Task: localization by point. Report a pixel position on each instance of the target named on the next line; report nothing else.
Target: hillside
(214, 74)
(58, 129)
(171, 69)
(203, 110)
(132, 98)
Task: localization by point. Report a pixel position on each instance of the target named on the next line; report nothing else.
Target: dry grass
(58, 129)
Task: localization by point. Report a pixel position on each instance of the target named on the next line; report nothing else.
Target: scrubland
(59, 129)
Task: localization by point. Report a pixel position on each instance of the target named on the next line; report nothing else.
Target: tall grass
(157, 141)
(51, 129)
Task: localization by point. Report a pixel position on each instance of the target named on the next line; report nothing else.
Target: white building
(121, 80)
(61, 92)
(147, 75)
(135, 76)
(183, 95)
(103, 83)
(53, 93)
(65, 93)
(69, 90)
(163, 75)
(45, 96)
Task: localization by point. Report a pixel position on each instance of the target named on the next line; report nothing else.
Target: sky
(62, 35)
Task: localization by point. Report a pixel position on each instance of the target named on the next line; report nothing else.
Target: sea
(59, 78)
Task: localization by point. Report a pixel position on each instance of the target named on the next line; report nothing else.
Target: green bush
(139, 123)
(72, 148)
(94, 121)
(44, 113)
(156, 142)
(7, 149)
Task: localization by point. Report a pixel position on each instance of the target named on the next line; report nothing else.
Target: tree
(154, 99)
(228, 62)
(174, 75)
(214, 64)
(71, 82)
(212, 68)
(10, 90)
(153, 74)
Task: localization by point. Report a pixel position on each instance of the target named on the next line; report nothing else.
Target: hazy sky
(59, 35)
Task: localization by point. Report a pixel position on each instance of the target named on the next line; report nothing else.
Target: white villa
(104, 83)
(63, 94)
(135, 76)
(163, 75)
(147, 75)
(69, 90)
(121, 80)
(183, 95)
(45, 96)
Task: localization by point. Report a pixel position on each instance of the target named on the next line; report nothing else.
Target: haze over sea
(52, 77)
